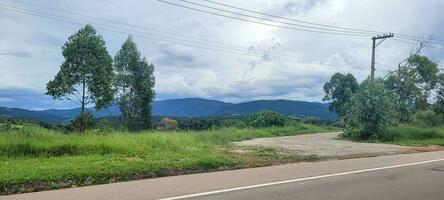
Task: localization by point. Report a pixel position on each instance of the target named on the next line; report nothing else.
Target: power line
(267, 24)
(399, 35)
(357, 31)
(408, 42)
(276, 21)
(289, 19)
(324, 25)
(118, 30)
(172, 38)
(237, 47)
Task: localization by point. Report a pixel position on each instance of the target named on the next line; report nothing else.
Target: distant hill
(188, 107)
(286, 107)
(33, 115)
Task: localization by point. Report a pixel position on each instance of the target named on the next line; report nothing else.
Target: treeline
(108, 124)
(89, 75)
(413, 94)
(262, 119)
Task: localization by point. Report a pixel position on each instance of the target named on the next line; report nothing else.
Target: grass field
(35, 158)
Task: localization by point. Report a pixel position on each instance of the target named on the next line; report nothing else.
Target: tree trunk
(82, 110)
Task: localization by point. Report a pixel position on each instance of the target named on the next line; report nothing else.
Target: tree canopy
(86, 74)
(369, 111)
(339, 90)
(134, 84)
(410, 87)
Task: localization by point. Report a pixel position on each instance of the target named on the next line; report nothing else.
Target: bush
(235, 122)
(104, 126)
(267, 119)
(427, 118)
(370, 112)
(90, 122)
(311, 120)
(167, 124)
(6, 126)
(409, 132)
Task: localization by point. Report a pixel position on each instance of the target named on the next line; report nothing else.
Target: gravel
(327, 145)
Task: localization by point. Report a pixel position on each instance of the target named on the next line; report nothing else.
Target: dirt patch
(428, 148)
(328, 145)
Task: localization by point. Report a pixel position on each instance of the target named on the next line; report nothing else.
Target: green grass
(35, 158)
(415, 135)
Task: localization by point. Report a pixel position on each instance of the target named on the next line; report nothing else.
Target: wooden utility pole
(382, 38)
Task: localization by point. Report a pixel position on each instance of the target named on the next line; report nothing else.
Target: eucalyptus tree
(339, 90)
(134, 84)
(86, 74)
(412, 86)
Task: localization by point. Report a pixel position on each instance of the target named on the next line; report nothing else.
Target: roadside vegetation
(404, 107)
(35, 158)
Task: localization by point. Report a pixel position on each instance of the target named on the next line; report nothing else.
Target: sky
(30, 45)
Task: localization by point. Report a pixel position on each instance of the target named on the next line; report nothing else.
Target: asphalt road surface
(425, 182)
(407, 176)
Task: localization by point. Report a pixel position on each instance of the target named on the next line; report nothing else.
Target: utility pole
(382, 38)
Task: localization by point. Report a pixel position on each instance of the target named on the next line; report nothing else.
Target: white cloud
(189, 71)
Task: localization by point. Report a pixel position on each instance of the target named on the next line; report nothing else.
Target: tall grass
(410, 134)
(34, 141)
(35, 154)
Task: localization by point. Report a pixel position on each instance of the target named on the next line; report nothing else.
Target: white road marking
(298, 180)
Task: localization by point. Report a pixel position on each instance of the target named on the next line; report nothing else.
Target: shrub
(409, 132)
(427, 118)
(6, 126)
(167, 124)
(311, 120)
(267, 119)
(90, 122)
(104, 126)
(370, 112)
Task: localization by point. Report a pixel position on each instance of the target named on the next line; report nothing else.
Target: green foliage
(135, 86)
(438, 107)
(370, 112)
(167, 124)
(427, 118)
(89, 122)
(93, 158)
(311, 120)
(200, 123)
(86, 74)
(239, 122)
(105, 126)
(266, 119)
(339, 90)
(410, 87)
(413, 134)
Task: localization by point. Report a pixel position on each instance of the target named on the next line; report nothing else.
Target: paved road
(407, 176)
(425, 182)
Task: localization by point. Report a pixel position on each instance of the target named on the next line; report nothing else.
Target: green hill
(286, 107)
(33, 115)
(189, 107)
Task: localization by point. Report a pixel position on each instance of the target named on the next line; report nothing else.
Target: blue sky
(30, 46)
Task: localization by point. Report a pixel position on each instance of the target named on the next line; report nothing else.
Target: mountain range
(188, 107)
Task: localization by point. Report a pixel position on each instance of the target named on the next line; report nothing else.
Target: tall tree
(339, 90)
(135, 86)
(86, 74)
(438, 107)
(411, 86)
